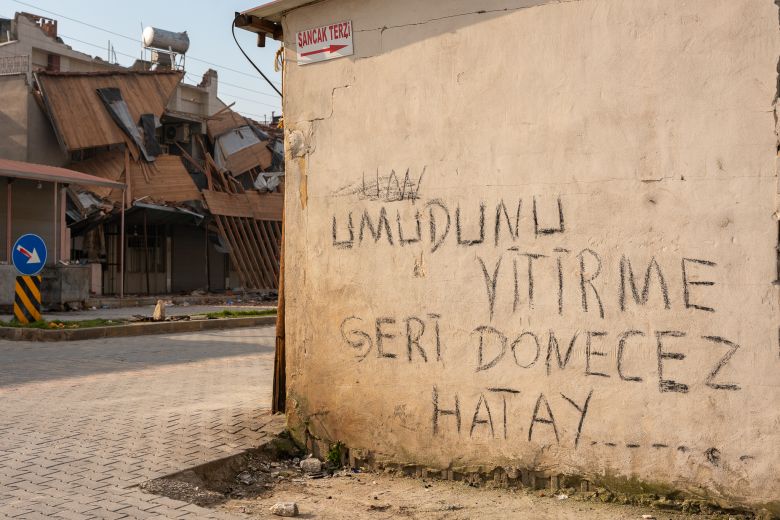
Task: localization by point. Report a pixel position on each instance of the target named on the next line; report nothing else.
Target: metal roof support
(9, 211)
(64, 253)
(122, 247)
(56, 227)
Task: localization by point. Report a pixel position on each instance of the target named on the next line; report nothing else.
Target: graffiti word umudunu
(551, 351)
(514, 280)
(435, 222)
(554, 418)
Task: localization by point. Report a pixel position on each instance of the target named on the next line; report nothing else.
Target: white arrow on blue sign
(29, 254)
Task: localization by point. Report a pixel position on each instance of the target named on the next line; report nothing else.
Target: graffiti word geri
(621, 356)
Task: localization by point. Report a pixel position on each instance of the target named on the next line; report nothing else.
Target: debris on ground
(159, 311)
(311, 465)
(285, 509)
(245, 478)
(277, 473)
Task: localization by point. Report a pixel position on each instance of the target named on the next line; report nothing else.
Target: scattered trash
(285, 509)
(245, 478)
(648, 517)
(562, 496)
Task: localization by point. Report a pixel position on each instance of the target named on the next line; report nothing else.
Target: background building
(204, 184)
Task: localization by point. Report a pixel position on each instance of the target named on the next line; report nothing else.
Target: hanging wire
(233, 30)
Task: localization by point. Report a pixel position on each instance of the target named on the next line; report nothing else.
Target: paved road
(82, 423)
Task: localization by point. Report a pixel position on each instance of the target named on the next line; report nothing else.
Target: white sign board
(325, 43)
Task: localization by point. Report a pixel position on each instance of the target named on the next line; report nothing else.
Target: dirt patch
(253, 473)
(252, 482)
(373, 496)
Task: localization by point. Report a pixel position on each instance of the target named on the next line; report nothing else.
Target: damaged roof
(42, 172)
(80, 117)
(224, 121)
(165, 180)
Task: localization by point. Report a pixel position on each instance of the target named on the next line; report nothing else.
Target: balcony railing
(14, 64)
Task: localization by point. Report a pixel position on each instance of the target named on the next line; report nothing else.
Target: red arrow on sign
(332, 48)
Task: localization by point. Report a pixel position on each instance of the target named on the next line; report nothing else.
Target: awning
(272, 11)
(42, 172)
(159, 214)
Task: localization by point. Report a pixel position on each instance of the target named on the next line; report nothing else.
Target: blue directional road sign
(29, 254)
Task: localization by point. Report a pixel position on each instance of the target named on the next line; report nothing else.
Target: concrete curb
(133, 329)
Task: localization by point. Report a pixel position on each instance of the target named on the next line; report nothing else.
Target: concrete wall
(541, 235)
(59, 286)
(42, 144)
(197, 101)
(32, 212)
(64, 284)
(13, 117)
(31, 41)
(25, 131)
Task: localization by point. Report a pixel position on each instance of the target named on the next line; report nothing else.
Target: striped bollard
(27, 299)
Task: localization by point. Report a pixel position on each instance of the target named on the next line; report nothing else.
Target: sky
(207, 23)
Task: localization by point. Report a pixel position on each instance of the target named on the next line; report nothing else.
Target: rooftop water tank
(177, 42)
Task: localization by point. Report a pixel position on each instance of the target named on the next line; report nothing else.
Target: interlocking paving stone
(84, 422)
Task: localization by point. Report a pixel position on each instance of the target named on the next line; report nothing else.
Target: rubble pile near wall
(115, 125)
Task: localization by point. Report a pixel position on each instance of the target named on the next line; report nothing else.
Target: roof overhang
(161, 214)
(265, 20)
(45, 173)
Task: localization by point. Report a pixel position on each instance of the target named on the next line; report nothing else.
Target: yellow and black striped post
(27, 300)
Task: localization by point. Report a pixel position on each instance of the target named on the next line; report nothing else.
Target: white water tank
(177, 42)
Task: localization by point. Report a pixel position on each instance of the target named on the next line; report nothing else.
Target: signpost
(29, 257)
(325, 43)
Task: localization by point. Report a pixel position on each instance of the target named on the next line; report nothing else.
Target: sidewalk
(85, 422)
(146, 310)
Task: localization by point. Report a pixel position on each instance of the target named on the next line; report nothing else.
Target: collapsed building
(204, 184)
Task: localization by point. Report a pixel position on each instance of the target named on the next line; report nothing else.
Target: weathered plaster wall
(25, 131)
(32, 211)
(567, 260)
(13, 117)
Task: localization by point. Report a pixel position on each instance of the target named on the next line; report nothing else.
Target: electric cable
(189, 57)
(233, 31)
